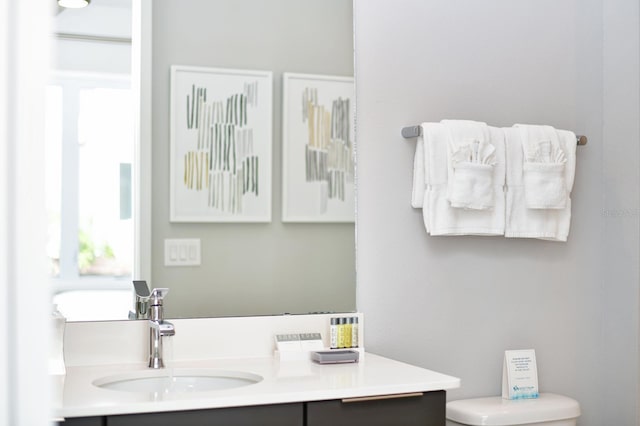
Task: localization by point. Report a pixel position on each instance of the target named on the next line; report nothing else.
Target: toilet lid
(495, 411)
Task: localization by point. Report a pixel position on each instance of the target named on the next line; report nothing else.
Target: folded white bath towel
(522, 221)
(543, 168)
(440, 217)
(471, 157)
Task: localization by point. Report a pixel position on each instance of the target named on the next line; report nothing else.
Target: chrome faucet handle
(157, 295)
(156, 310)
(140, 300)
(141, 288)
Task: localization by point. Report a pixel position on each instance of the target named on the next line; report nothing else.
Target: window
(89, 158)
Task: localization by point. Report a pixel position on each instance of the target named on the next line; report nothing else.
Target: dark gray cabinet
(426, 409)
(84, 421)
(263, 415)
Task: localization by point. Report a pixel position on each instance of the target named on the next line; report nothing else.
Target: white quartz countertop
(283, 382)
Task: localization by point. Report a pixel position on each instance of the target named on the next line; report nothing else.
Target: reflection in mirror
(246, 269)
(89, 161)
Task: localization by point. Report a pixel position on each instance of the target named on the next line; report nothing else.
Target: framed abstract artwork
(220, 160)
(318, 148)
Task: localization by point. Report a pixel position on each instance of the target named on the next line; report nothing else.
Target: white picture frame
(318, 148)
(221, 145)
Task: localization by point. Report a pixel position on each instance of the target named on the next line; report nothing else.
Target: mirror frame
(141, 63)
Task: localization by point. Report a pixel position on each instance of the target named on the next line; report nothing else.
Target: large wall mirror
(247, 269)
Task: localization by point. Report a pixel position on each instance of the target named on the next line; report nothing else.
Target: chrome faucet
(158, 327)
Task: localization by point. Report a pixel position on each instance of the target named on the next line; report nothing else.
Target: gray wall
(251, 268)
(454, 304)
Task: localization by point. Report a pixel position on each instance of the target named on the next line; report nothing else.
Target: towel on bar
(522, 221)
(543, 168)
(419, 185)
(471, 157)
(434, 162)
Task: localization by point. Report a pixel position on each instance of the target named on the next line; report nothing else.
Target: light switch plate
(182, 252)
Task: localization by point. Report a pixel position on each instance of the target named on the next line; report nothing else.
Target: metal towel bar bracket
(415, 131)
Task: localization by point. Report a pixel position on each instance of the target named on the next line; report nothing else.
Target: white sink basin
(180, 380)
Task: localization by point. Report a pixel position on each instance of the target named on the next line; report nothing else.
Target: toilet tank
(546, 410)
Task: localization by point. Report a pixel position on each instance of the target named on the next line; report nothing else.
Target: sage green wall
(250, 269)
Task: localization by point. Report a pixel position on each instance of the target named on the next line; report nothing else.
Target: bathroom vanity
(374, 391)
(423, 410)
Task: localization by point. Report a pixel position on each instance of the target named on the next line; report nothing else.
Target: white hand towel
(435, 170)
(417, 193)
(471, 162)
(440, 217)
(524, 222)
(544, 168)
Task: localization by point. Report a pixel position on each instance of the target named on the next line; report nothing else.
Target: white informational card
(520, 375)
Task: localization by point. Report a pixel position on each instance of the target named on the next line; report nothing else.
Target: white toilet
(546, 410)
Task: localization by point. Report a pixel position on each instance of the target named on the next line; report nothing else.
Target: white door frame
(25, 300)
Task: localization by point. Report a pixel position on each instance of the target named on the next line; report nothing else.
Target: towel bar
(415, 131)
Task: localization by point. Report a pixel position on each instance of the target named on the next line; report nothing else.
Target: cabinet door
(426, 409)
(261, 415)
(83, 421)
